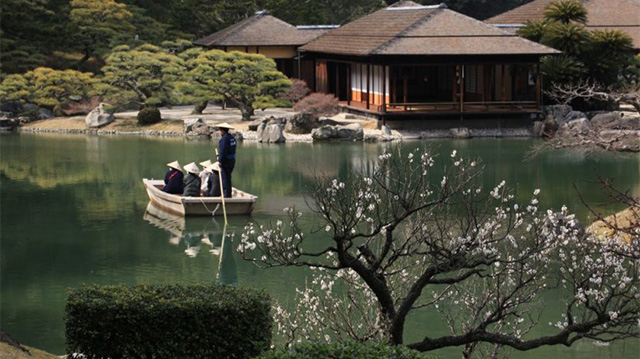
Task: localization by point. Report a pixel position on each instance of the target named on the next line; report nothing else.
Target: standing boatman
(226, 156)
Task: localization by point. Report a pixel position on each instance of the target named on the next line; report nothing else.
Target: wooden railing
(466, 106)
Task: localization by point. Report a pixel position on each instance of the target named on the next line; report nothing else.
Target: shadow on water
(198, 236)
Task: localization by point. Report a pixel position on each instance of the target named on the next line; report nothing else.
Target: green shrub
(152, 321)
(369, 350)
(148, 116)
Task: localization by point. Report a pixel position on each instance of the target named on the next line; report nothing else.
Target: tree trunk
(81, 62)
(200, 107)
(246, 110)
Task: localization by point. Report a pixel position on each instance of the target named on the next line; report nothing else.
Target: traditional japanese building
(414, 60)
(623, 15)
(271, 37)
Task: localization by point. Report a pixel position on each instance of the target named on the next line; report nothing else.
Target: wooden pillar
(405, 88)
(538, 87)
(349, 91)
(361, 83)
(368, 86)
(504, 90)
(315, 75)
(393, 85)
(462, 88)
(337, 79)
(384, 88)
(454, 85)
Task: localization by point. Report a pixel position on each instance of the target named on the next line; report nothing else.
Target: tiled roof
(411, 29)
(261, 30)
(621, 15)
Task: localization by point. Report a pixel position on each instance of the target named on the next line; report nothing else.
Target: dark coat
(226, 149)
(173, 181)
(192, 185)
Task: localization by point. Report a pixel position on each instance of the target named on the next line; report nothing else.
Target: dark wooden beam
(538, 86)
(349, 91)
(504, 90)
(368, 86)
(384, 88)
(462, 75)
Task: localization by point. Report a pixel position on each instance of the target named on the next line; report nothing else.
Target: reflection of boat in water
(240, 203)
(165, 220)
(193, 234)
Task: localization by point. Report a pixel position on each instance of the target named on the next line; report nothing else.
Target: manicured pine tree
(248, 81)
(144, 75)
(47, 87)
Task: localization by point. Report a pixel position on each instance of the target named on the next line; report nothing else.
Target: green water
(72, 211)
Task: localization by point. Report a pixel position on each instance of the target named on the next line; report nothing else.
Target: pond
(73, 211)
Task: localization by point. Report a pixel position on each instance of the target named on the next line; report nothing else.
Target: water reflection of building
(202, 235)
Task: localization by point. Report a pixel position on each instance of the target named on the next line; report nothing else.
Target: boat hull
(240, 203)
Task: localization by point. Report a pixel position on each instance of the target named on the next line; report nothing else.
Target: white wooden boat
(240, 202)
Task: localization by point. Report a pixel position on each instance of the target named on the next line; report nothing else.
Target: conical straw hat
(205, 164)
(223, 125)
(191, 168)
(214, 167)
(175, 165)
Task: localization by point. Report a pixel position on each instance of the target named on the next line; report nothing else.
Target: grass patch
(8, 351)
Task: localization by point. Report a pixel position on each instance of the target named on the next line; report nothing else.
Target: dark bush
(152, 321)
(149, 116)
(346, 351)
(297, 91)
(318, 104)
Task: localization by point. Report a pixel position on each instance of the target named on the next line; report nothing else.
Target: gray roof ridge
(480, 22)
(420, 21)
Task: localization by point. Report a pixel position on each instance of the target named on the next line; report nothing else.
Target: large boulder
(537, 128)
(300, 123)
(573, 115)
(579, 126)
(549, 127)
(11, 107)
(606, 120)
(196, 128)
(350, 132)
(327, 121)
(630, 123)
(271, 133)
(324, 133)
(99, 117)
(253, 126)
(189, 123)
(558, 112)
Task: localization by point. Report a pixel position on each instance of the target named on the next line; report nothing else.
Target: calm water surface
(73, 211)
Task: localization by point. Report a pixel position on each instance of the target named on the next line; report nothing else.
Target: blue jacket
(173, 181)
(226, 148)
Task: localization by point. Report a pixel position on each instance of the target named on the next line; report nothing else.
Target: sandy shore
(172, 124)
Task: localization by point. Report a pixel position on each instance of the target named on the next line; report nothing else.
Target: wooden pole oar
(224, 208)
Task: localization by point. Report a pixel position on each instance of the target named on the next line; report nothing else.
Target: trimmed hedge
(153, 321)
(369, 350)
(149, 116)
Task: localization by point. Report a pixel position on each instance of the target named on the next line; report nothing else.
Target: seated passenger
(173, 179)
(204, 176)
(192, 181)
(213, 182)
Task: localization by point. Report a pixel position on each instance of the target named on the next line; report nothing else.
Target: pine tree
(144, 75)
(249, 81)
